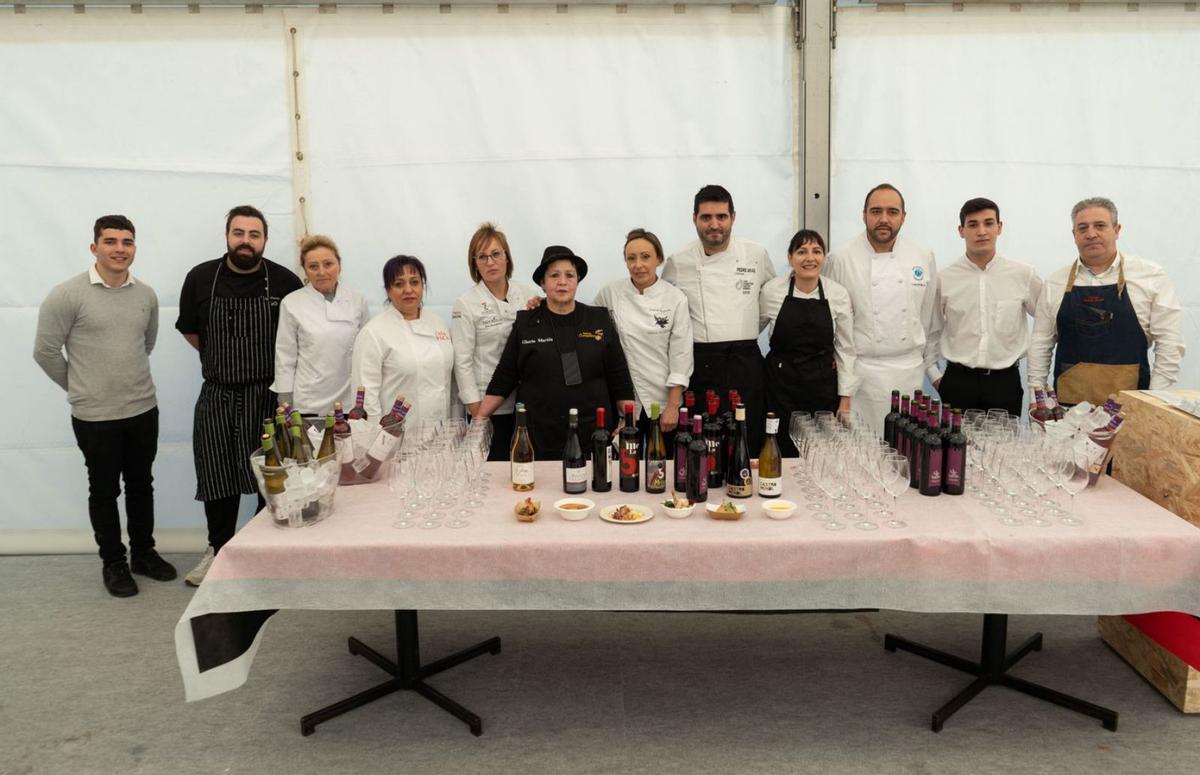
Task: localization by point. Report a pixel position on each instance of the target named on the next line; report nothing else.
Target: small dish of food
(678, 507)
(778, 509)
(725, 510)
(527, 510)
(574, 509)
(625, 514)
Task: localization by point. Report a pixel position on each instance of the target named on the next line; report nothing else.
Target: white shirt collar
(1113, 268)
(96, 279)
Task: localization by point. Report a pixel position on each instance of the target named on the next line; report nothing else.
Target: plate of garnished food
(678, 507)
(626, 514)
(726, 509)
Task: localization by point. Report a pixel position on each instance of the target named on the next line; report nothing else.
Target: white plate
(644, 514)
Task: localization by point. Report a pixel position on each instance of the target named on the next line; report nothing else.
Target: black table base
(408, 674)
(992, 670)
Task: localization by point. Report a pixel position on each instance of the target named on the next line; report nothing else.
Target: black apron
(725, 366)
(238, 365)
(1101, 345)
(801, 373)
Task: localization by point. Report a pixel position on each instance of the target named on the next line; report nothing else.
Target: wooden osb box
(1152, 644)
(1157, 453)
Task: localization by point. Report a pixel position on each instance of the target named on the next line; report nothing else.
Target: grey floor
(89, 683)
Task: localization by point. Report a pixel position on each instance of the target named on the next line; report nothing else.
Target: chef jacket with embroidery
(394, 356)
(721, 289)
(656, 333)
(840, 307)
(479, 326)
(894, 297)
(314, 346)
(1154, 302)
(985, 313)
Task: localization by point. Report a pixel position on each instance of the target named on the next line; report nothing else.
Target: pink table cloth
(1130, 556)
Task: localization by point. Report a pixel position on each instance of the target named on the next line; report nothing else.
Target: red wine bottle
(903, 428)
(630, 453)
(713, 428)
(343, 437)
(916, 445)
(931, 463)
(573, 462)
(683, 437)
(358, 412)
(1040, 411)
(601, 453)
(890, 420)
(1053, 404)
(955, 452)
(697, 465)
(391, 428)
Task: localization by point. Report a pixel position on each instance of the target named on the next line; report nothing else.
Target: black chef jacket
(532, 364)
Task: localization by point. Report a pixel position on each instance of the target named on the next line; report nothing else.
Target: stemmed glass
(859, 478)
(893, 473)
(832, 480)
(429, 486)
(400, 482)
(1074, 474)
(456, 476)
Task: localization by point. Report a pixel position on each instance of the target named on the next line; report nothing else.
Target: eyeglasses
(496, 256)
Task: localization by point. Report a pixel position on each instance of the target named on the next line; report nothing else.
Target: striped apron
(238, 365)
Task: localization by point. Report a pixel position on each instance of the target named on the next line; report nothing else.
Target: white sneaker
(197, 574)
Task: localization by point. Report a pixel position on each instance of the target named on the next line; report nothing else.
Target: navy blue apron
(1101, 345)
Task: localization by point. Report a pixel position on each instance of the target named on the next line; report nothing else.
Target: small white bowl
(713, 510)
(778, 509)
(574, 514)
(675, 513)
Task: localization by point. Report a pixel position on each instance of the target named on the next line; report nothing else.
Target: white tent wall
(1034, 110)
(416, 126)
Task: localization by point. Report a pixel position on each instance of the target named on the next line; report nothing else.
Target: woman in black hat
(560, 356)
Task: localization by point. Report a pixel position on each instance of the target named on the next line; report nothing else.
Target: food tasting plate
(631, 514)
(574, 509)
(779, 509)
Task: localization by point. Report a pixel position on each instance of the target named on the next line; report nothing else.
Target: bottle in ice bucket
(273, 479)
(298, 422)
(1040, 412)
(345, 443)
(283, 442)
(521, 456)
(328, 446)
(391, 428)
(1052, 403)
(358, 412)
(1097, 445)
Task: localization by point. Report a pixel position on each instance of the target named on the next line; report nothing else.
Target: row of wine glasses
(439, 474)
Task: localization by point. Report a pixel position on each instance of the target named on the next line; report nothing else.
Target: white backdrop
(563, 128)
(1034, 110)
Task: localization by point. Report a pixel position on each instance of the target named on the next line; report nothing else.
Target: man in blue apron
(1102, 314)
(229, 311)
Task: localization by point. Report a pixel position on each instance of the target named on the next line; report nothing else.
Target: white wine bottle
(770, 463)
(522, 455)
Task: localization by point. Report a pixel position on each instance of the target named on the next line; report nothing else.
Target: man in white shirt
(721, 278)
(893, 286)
(985, 302)
(1101, 315)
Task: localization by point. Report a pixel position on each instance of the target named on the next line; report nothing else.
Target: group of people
(845, 329)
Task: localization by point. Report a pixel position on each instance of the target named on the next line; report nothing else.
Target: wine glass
(893, 473)
(400, 482)
(1074, 473)
(455, 482)
(429, 486)
(832, 480)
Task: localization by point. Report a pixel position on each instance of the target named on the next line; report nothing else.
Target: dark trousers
(503, 426)
(114, 450)
(222, 516)
(965, 388)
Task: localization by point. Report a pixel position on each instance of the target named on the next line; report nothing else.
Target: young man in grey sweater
(107, 322)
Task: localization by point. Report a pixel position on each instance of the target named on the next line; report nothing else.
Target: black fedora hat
(559, 253)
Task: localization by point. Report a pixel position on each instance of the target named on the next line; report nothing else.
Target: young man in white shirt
(893, 286)
(721, 278)
(985, 302)
(1102, 313)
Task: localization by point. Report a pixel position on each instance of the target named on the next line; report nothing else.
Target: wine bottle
(955, 453)
(712, 439)
(573, 461)
(299, 451)
(283, 442)
(903, 426)
(656, 455)
(770, 461)
(740, 483)
(630, 449)
(328, 447)
(697, 465)
(1040, 412)
(1052, 403)
(359, 412)
(931, 464)
(689, 402)
(890, 420)
(729, 438)
(272, 479)
(345, 445)
(391, 429)
(298, 422)
(601, 453)
(683, 437)
(522, 455)
(916, 446)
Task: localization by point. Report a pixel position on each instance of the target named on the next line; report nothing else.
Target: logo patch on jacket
(598, 334)
(918, 273)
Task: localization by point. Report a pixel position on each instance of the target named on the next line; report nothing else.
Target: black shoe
(117, 580)
(150, 564)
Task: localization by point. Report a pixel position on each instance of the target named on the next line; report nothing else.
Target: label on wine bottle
(522, 474)
(741, 486)
(656, 475)
(383, 445)
(954, 467)
(345, 451)
(769, 487)
(575, 475)
(772, 425)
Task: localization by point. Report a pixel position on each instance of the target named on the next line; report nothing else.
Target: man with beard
(893, 289)
(229, 311)
(721, 278)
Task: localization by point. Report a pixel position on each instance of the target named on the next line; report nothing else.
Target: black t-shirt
(195, 297)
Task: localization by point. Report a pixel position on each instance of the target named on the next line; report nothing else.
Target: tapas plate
(626, 514)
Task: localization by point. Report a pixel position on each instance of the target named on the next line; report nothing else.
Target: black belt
(981, 372)
(727, 348)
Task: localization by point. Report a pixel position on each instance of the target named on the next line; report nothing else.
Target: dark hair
(884, 187)
(712, 193)
(395, 267)
(119, 222)
(977, 205)
(804, 237)
(246, 211)
(482, 236)
(649, 236)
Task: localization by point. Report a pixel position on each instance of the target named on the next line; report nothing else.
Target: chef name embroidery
(441, 336)
(598, 334)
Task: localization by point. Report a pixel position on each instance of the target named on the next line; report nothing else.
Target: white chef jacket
(313, 347)
(394, 356)
(721, 289)
(479, 326)
(985, 313)
(656, 333)
(840, 308)
(1154, 302)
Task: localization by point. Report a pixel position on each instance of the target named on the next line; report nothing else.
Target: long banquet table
(1130, 556)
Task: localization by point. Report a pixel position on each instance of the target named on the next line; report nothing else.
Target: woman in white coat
(480, 324)
(317, 327)
(406, 350)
